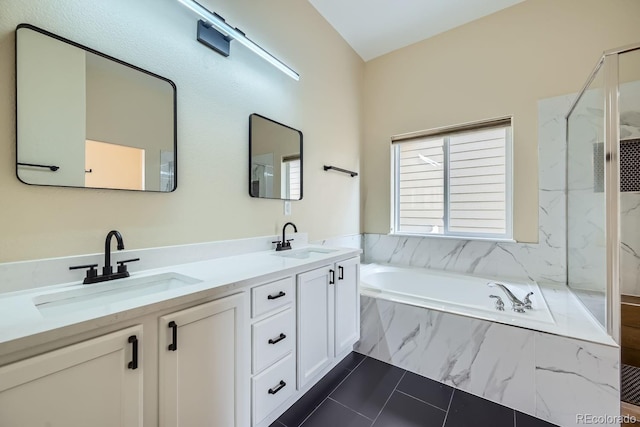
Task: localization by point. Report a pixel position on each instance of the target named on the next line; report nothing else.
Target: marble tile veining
(540, 374)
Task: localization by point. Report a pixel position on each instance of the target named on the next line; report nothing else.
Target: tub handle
(499, 302)
(527, 301)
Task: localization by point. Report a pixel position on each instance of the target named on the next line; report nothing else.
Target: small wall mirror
(85, 119)
(275, 160)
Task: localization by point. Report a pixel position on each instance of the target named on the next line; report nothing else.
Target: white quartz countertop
(20, 317)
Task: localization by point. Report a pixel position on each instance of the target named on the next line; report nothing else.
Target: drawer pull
(332, 277)
(277, 388)
(340, 272)
(133, 340)
(280, 295)
(174, 336)
(277, 340)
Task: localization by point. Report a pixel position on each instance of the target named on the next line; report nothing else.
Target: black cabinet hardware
(280, 295)
(122, 267)
(277, 388)
(340, 272)
(332, 277)
(133, 340)
(277, 340)
(174, 336)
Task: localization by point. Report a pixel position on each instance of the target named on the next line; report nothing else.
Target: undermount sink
(91, 296)
(304, 252)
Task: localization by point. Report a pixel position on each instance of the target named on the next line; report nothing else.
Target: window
(454, 181)
(291, 177)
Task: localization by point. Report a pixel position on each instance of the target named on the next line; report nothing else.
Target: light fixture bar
(220, 24)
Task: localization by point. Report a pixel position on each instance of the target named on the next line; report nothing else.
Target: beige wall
(496, 66)
(215, 97)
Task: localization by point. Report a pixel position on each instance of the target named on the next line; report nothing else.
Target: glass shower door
(586, 203)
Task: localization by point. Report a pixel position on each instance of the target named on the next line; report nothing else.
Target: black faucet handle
(122, 268)
(78, 267)
(91, 272)
(290, 240)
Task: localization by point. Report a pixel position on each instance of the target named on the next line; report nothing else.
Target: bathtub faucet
(517, 305)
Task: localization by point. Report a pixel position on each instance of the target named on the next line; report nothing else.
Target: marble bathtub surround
(544, 375)
(568, 316)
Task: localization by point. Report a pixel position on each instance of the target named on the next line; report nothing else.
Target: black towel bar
(52, 168)
(341, 170)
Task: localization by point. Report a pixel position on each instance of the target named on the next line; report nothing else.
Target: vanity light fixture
(215, 33)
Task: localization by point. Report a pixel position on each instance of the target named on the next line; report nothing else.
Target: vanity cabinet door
(204, 365)
(94, 383)
(315, 322)
(347, 305)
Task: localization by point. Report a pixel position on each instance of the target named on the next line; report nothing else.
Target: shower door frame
(609, 62)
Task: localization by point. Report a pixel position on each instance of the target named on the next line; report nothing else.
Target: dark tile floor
(364, 392)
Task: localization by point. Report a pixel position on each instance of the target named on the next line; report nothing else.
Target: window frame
(446, 133)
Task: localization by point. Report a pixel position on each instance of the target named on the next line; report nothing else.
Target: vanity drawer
(272, 338)
(273, 387)
(270, 296)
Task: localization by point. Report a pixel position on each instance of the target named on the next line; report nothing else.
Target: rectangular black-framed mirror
(86, 119)
(275, 159)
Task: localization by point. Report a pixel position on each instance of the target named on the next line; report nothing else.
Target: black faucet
(284, 244)
(107, 270)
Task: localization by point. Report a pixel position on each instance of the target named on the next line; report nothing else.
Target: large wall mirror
(85, 119)
(275, 160)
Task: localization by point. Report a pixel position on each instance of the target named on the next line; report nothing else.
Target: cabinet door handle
(277, 388)
(277, 340)
(280, 295)
(174, 335)
(134, 352)
(340, 273)
(332, 277)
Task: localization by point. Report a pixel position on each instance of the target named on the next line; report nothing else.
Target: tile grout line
(420, 400)
(446, 415)
(352, 410)
(389, 398)
(332, 390)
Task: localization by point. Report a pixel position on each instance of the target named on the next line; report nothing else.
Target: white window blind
(294, 179)
(290, 181)
(454, 182)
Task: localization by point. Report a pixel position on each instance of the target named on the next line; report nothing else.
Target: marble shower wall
(543, 262)
(544, 375)
(630, 201)
(630, 237)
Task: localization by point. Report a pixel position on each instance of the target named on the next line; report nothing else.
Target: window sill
(437, 236)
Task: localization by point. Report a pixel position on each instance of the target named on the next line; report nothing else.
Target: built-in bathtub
(553, 362)
(455, 293)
